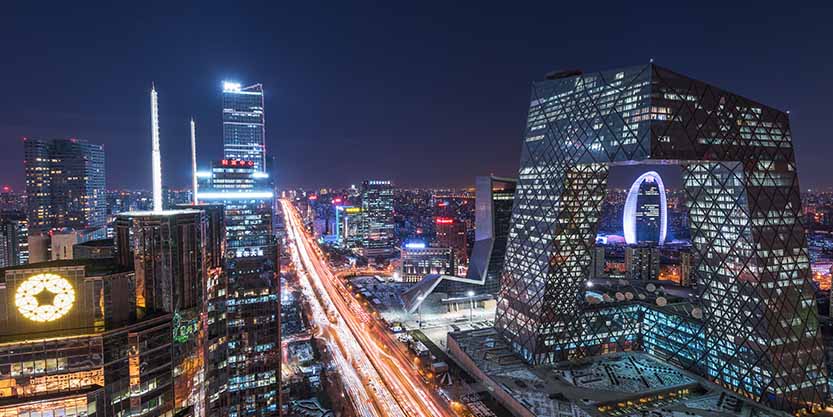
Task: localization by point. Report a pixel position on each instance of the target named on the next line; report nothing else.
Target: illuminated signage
(352, 210)
(415, 245)
(444, 220)
(336, 200)
(231, 86)
(236, 163)
(44, 297)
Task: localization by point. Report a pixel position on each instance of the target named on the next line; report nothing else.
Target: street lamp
(471, 305)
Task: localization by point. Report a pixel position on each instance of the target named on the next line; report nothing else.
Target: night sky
(424, 94)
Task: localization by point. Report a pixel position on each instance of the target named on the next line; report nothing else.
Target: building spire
(155, 152)
(194, 160)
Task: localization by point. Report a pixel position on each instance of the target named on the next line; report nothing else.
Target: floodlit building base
(617, 384)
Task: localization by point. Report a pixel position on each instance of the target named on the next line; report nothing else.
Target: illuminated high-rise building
(752, 326)
(244, 132)
(64, 184)
(451, 233)
(252, 298)
(91, 337)
(167, 251)
(14, 239)
(645, 216)
(216, 288)
(377, 211)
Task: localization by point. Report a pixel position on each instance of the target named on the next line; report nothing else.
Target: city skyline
(459, 112)
(415, 211)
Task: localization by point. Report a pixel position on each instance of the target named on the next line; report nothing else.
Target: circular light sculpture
(44, 297)
(629, 217)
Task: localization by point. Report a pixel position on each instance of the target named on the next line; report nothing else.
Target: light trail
(400, 380)
(359, 378)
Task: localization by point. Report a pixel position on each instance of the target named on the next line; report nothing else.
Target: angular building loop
(752, 326)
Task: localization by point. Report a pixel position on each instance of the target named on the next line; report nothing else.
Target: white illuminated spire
(156, 154)
(194, 159)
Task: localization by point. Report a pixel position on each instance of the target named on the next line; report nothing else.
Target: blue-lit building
(244, 133)
(755, 302)
(251, 265)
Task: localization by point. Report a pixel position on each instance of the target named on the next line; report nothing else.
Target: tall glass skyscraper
(64, 183)
(645, 216)
(252, 299)
(752, 326)
(377, 209)
(244, 134)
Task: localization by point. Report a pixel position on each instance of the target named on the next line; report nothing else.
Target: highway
(362, 348)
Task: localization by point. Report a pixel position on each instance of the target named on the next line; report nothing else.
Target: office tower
(642, 262)
(244, 133)
(645, 217)
(377, 208)
(14, 239)
(252, 302)
(64, 184)
(216, 372)
(417, 261)
(167, 251)
(76, 342)
(494, 197)
(452, 234)
(351, 224)
(753, 325)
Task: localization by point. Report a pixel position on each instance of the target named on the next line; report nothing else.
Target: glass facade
(98, 359)
(64, 183)
(377, 210)
(244, 134)
(14, 243)
(252, 304)
(755, 301)
(493, 213)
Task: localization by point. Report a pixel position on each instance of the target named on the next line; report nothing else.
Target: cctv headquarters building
(750, 328)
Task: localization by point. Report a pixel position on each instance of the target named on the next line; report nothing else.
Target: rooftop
(93, 267)
(621, 384)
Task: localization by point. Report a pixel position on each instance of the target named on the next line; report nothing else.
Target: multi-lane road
(381, 379)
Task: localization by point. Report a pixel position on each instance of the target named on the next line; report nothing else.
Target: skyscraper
(244, 133)
(493, 212)
(452, 234)
(377, 210)
(167, 251)
(252, 300)
(645, 216)
(64, 183)
(14, 245)
(753, 326)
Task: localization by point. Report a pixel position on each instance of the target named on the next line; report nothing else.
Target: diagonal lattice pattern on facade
(758, 331)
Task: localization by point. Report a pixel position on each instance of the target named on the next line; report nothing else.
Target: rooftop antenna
(156, 155)
(194, 160)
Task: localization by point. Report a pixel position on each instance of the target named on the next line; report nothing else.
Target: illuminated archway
(629, 217)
